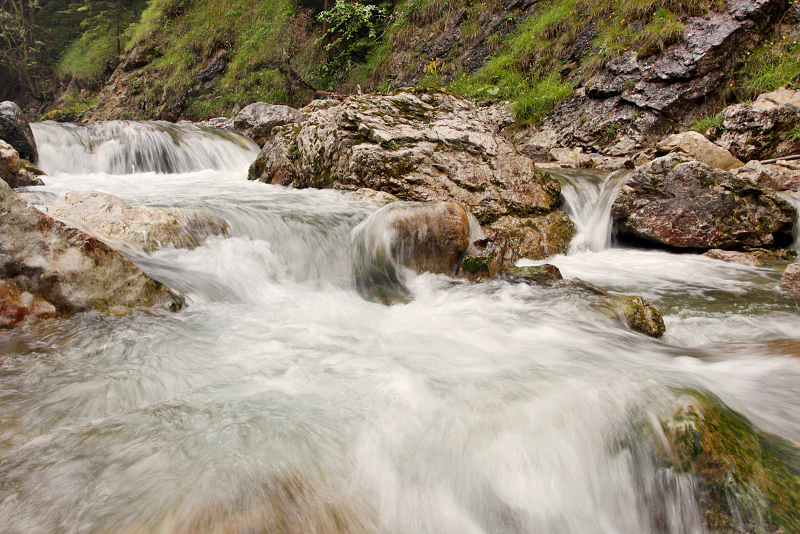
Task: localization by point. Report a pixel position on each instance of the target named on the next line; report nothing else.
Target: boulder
(114, 220)
(256, 121)
(19, 307)
(791, 277)
(70, 269)
(17, 172)
(679, 202)
(700, 148)
(779, 176)
(732, 256)
(492, 256)
(421, 236)
(15, 130)
(639, 315)
(537, 237)
(757, 130)
(542, 275)
(418, 145)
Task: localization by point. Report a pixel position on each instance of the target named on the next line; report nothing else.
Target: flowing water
(279, 400)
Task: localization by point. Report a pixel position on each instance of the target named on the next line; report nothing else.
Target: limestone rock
(370, 195)
(256, 121)
(696, 145)
(113, 219)
(679, 202)
(18, 307)
(537, 237)
(17, 172)
(791, 277)
(70, 269)
(494, 256)
(758, 130)
(416, 145)
(639, 315)
(779, 176)
(732, 256)
(15, 130)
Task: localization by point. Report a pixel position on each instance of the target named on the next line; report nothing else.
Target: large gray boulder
(114, 220)
(256, 121)
(416, 145)
(66, 267)
(680, 202)
(15, 130)
(757, 130)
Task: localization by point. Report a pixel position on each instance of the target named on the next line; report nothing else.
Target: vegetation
(770, 65)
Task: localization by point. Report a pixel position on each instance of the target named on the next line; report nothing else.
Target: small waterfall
(588, 196)
(124, 147)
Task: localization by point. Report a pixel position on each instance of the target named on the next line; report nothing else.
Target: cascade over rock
(757, 130)
(111, 218)
(70, 269)
(15, 130)
(677, 201)
(416, 145)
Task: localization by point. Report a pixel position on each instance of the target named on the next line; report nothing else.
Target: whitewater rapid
(280, 397)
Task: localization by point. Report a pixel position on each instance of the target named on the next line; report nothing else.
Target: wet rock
(17, 172)
(416, 145)
(491, 256)
(542, 275)
(68, 268)
(20, 307)
(696, 145)
(680, 202)
(791, 277)
(256, 121)
(370, 195)
(420, 236)
(114, 220)
(758, 130)
(15, 130)
(732, 256)
(779, 176)
(747, 480)
(537, 237)
(639, 315)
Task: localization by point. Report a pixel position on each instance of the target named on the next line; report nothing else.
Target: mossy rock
(748, 480)
(543, 275)
(639, 315)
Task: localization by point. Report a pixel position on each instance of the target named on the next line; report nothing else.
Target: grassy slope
(536, 57)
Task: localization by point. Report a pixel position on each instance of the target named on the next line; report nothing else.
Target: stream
(279, 400)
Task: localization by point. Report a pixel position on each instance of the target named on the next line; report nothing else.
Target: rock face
(17, 306)
(15, 130)
(415, 145)
(683, 203)
(16, 172)
(70, 269)
(256, 121)
(700, 148)
(113, 219)
(791, 277)
(758, 130)
(781, 176)
(635, 101)
(424, 237)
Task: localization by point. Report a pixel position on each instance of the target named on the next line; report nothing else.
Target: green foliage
(534, 103)
(705, 124)
(88, 57)
(769, 66)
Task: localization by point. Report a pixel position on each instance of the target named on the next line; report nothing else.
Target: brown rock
(791, 277)
(732, 256)
(696, 145)
(494, 255)
(537, 237)
(639, 315)
(18, 307)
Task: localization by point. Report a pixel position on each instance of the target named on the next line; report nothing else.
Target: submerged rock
(791, 277)
(700, 148)
(424, 237)
(15, 130)
(18, 307)
(680, 202)
(639, 315)
(542, 275)
(257, 120)
(68, 268)
(757, 130)
(747, 480)
(732, 256)
(416, 145)
(113, 219)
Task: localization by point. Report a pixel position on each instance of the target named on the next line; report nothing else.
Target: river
(278, 400)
